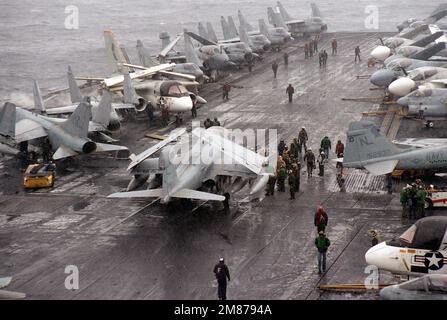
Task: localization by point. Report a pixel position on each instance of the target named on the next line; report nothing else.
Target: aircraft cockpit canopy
(173, 89)
(426, 234)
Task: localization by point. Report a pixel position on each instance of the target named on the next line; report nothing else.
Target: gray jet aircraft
(306, 27)
(68, 137)
(366, 148)
(201, 157)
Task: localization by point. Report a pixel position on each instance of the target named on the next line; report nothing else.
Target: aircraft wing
(169, 47)
(4, 148)
(61, 110)
(27, 129)
(421, 143)
(199, 195)
(200, 39)
(295, 22)
(233, 151)
(116, 80)
(382, 167)
(145, 154)
(150, 193)
(121, 106)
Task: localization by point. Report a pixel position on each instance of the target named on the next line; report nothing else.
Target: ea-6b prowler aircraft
(366, 148)
(184, 169)
(68, 137)
(421, 249)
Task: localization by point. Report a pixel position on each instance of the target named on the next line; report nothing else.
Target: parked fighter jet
(428, 287)
(238, 52)
(278, 36)
(258, 43)
(439, 13)
(426, 103)
(202, 156)
(421, 249)
(307, 27)
(187, 68)
(398, 68)
(366, 148)
(427, 77)
(68, 137)
(111, 123)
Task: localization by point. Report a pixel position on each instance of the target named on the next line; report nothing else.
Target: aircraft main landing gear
(429, 124)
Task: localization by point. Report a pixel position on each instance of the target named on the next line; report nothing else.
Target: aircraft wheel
(428, 204)
(429, 124)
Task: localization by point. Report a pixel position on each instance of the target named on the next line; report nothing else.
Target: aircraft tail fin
(429, 51)
(202, 31)
(64, 152)
(115, 56)
(275, 18)
(437, 16)
(285, 15)
(243, 35)
(75, 93)
(225, 28)
(130, 96)
(150, 193)
(77, 123)
(315, 11)
(8, 120)
(232, 26)
(191, 55)
(428, 39)
(101, 114)
(144, 55)
(38, 101)
(126, 57)
(263, 28)
(365, 143)
(243, 21)
(165, 38)
(198, 195)
(211, 34)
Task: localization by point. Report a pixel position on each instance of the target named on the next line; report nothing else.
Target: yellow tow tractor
(39, 175)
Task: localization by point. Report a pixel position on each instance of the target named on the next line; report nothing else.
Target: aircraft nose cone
(401, 87)
(381, 53)
(182, 104)
(382, 78)
(374, 255)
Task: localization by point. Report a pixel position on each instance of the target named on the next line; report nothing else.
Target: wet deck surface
(136, 249)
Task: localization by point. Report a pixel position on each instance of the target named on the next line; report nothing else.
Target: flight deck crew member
(226, 90)
(334, 46)
(274, 68)
(282, 175)
(404, 196)
(311, 48)
(339, 148)
(194, 107)
(294, 149)
(290, 91)
(321, 219)
(216, 122)
(326, 145)
(321, 162)
(357, 53)
(302, 139)
(306, 50)
(226, 203)
(222, 273)
(281, 147)
(375, 238)
(309, 157)
(271, 185)
(286, 59)
(322, 243)
(316, 43)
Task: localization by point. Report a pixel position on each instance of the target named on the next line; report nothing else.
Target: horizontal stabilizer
(199, 195)
(151, 193)
(380, 168)
(27, 129)
(64, 152)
